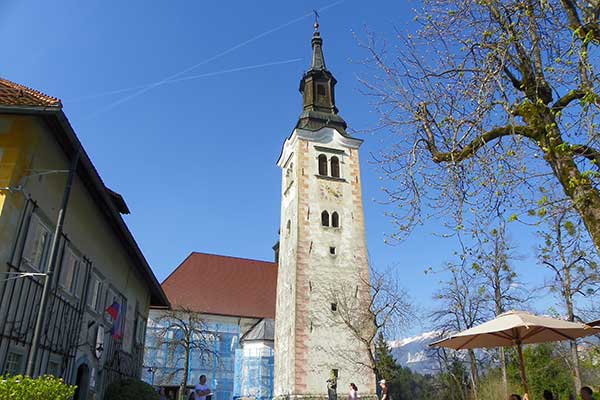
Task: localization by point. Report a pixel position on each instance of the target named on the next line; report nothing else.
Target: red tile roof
(14, 94)
(223, 285)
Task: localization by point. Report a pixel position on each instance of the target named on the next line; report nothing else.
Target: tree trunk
(499, 310)
(576, 372)
(568, 297)
(503, 370)
(186, 364)
(473, 373)
(585, 198)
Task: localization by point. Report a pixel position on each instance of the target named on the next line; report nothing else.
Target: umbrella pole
(522, 368)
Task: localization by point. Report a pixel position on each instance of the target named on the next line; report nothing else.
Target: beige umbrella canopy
(515, 328)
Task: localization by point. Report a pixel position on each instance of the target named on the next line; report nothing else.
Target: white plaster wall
(284, 360)
(329, 345)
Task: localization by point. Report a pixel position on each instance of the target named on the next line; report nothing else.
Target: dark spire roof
(318, 92)
(318, 61)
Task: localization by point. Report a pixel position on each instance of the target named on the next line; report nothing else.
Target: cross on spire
(316, 25)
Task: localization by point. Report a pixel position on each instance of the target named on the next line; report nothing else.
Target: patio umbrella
(594, 323)
(516, 328)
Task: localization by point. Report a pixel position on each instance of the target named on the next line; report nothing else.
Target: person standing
(201, 390)
(353, 394)
(587, 393)
(384, 390)
(162, 394)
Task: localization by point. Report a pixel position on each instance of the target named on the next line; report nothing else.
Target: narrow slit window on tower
(332, 250)
(335, 220)
(323, 164)
(321, 91)
(288, 228)
(335, 167)
(333, 306)
(325, 218)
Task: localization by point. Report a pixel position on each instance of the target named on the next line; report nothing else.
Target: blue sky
(195, 159)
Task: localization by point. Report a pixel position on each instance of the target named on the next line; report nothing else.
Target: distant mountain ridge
(413, 352)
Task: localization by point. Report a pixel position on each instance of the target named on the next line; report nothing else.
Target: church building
(322, 266)
(321, 273)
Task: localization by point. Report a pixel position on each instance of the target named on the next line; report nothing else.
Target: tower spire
(318, 90)
(318, 61)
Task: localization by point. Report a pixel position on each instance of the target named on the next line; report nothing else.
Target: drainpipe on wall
(39, 322)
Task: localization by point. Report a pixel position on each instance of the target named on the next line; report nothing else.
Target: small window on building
(333, 306)
(140, 330)
(37, 244)
(335, 220)
(96, 291)
(14, 363)
(323, 165)
(332, 250)
(321, 91)
(325, 218)
(335, 167)
(71, 273)
(288, 228)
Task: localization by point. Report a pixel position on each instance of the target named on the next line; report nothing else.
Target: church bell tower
(322, 252)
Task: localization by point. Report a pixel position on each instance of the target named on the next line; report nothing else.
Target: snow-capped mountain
(413, 352)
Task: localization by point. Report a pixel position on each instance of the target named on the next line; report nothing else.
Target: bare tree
(462, 305)
(490, 97)
(573, 266)
(492, 254)
(379, 306)
(184, 333)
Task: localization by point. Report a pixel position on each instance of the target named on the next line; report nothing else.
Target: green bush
(130, 389)
(46, 387)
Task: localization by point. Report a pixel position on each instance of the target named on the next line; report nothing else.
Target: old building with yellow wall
(98, 261)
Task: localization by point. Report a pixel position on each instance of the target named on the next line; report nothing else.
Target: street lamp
(152, 371)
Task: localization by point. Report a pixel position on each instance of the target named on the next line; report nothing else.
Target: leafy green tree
(545, 371)
(386, 367)
(487, 97)
(566, 252)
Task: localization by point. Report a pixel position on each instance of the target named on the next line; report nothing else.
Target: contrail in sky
(184, 78)
(216, 56)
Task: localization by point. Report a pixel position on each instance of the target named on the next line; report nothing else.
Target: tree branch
(585, 151)
(470, 149)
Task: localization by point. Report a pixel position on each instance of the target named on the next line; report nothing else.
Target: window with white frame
(95, 293)
(71, 274)
(14, 363)
(37, 243)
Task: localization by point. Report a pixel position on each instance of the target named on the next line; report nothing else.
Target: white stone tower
(322, 251)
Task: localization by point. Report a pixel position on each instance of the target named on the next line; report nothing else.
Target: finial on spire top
(316, 24)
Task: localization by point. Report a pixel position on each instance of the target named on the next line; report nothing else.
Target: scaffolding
(254, 372)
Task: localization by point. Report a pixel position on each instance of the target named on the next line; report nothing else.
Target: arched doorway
(82, 381)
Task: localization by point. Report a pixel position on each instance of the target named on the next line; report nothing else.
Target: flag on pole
(113, 310)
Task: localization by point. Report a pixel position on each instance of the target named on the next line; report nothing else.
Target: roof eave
(54, 115)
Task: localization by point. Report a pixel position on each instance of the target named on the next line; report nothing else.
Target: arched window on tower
(323, 164)
(335, 220)
(335, 167)
(325, 218)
